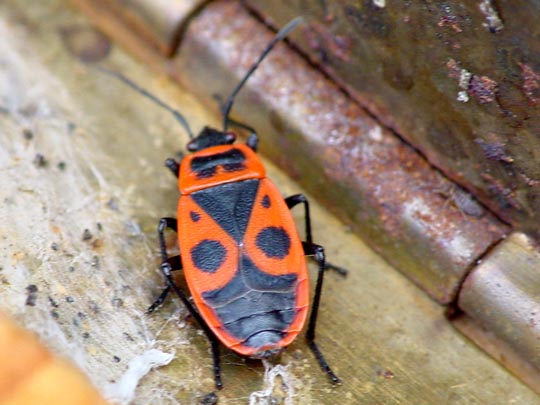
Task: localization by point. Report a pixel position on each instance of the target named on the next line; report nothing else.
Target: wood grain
(79, 224)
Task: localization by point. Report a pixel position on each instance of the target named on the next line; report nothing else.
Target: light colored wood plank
(385, 338)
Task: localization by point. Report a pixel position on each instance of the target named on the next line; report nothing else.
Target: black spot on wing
(194, 216)
(266, 201)
(208, 255)
(274, 242)
(230, 205)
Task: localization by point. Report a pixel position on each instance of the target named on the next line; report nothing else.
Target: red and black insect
(240, 251)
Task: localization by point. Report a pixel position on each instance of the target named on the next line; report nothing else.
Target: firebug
(240, 251)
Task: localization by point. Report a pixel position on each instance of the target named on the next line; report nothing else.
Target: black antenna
(179, 117)
(279, 36)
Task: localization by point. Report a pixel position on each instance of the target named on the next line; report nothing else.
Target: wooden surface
(388, 193)
(156, 24)
(102, 149)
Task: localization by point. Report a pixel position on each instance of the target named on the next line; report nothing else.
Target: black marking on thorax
(230, 205)
(231, 161)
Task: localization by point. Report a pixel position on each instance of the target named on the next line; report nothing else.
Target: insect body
(241, 254)
(240, 251)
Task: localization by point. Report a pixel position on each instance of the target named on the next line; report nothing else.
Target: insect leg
(176, 264)
(296, 199)
(165, 223)
(253, 141)
(166, 269)
(173, 166)
(318, 252)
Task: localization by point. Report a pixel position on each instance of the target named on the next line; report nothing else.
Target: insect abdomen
(255, 308)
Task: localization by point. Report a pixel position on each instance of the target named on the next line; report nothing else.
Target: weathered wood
(80, 151)
(154, 24)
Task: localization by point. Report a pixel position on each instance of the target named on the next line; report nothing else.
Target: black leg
(253, 141)
(176, 264)
(296, 199)
(173, 166)
(214, 343)
(166, 269)
(318, 252)
(159, 300)
(165, 223)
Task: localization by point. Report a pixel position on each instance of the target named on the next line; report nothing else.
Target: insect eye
(230, 137)
(192, 146)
